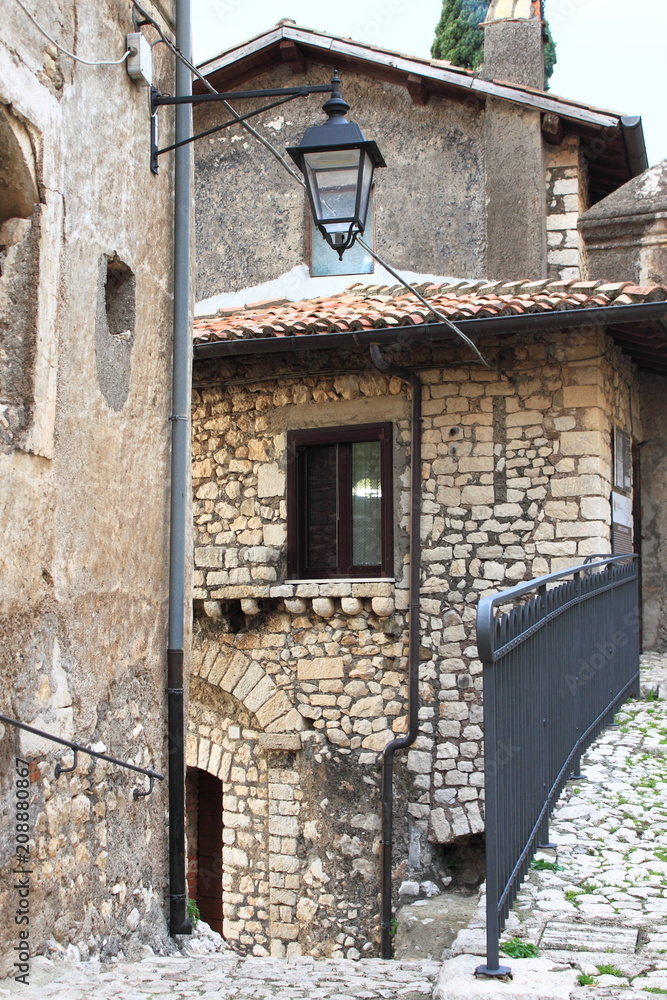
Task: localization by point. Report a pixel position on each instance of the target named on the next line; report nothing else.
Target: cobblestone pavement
(599, 901)
(228, 977)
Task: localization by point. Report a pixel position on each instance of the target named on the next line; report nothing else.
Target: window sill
(383, 594)
(366, 587)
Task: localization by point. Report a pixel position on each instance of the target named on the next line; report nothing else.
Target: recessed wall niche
(20, 219)
(114, 328)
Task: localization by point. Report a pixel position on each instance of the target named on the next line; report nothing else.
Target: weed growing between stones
(540, 865)
(516, 948)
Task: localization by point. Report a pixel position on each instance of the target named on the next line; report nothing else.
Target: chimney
(513, 43)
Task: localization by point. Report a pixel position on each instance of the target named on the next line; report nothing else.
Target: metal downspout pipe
(383, 365)
(180, 479)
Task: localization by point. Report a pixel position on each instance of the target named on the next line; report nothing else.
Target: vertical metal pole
(493, 967)
(180, 479)
(401, 742)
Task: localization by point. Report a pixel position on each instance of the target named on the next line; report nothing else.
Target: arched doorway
(204, 833)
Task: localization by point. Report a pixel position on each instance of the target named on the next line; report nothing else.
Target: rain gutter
(563, 319)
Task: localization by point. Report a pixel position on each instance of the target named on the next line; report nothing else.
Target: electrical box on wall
(140, 61)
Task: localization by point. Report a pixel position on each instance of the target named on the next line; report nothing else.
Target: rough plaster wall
(654, 513)
(515, 193)
(252, 222)
(84, 499)
(514, 52)
(630, 248)
(516, 482)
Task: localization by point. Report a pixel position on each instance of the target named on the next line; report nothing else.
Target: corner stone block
(320, 668)
(582, 443)
(583, 395)
(578, 486)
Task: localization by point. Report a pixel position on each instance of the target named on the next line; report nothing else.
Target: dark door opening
(204, 825)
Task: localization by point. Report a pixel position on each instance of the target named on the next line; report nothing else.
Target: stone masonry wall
(516, 481)
(566, 201)
(84, 474)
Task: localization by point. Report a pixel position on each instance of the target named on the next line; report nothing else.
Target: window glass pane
(333, 177)
(366, 504)
(321, 506)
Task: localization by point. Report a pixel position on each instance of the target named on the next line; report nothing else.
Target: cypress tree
(459, 38)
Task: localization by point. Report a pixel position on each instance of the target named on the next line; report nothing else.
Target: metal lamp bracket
(283, 95)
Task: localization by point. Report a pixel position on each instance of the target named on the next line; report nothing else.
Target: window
(339, 502)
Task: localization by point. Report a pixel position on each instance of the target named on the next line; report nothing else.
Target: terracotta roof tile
(367, 307)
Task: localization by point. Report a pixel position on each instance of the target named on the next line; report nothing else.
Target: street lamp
(337, 163)
(336, 159)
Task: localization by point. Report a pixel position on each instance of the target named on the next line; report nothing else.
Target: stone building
(300, 656)
(85, 387)
(300, 651)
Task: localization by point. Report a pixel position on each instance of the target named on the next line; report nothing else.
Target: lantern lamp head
(337, 163)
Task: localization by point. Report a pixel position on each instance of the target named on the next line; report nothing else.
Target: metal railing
(560, 655)
(77, 748)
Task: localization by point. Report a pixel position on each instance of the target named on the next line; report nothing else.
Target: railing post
(493, 968)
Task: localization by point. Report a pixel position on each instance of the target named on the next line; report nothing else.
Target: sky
(610, 52)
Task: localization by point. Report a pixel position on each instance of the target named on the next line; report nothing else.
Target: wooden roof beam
(291, 54)
(417, 89)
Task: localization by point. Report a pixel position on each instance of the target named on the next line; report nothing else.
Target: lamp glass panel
(332, 177)
(367, 168)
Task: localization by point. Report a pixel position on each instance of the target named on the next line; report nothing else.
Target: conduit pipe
(180, 480)
(401, 742)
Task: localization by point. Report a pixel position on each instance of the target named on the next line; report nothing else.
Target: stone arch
(224, 740)
(240, 675)
(19, 192)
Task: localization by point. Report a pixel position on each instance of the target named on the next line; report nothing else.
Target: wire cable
(86, 62)
(297, 177)
(193, 69)
(429, 305)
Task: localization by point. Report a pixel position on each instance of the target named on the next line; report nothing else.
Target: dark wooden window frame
(297, 442)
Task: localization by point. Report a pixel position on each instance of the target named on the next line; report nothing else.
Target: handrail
(487, 604)
(78, 748)
(557, 666)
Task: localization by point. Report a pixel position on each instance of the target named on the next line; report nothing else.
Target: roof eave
(570, 319)
(401, 64)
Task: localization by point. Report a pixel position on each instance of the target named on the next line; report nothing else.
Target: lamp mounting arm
(283, 93)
